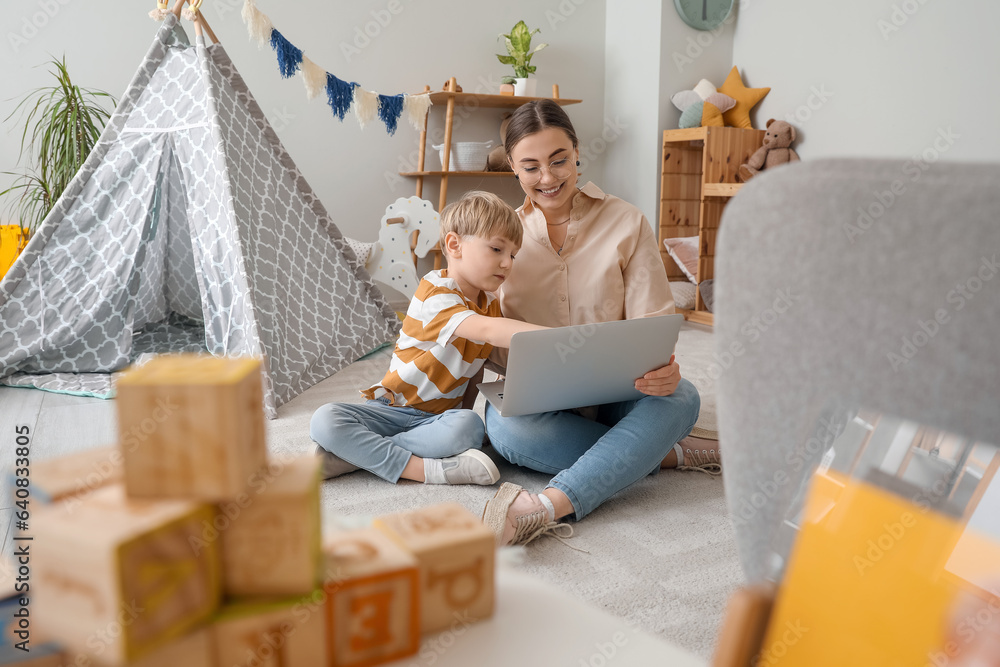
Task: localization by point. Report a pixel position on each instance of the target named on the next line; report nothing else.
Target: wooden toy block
(40, 655)
(282, 633)
(191, 426)
(75, 475)
(372, 597)
(272, 543)
(456, 554)
(119, 577)
(192, 650)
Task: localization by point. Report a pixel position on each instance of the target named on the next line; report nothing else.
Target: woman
(586, 257)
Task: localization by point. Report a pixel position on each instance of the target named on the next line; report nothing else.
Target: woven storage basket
(466, 155)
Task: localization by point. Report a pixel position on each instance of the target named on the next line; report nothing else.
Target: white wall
(353, 170)
(650, 54)
(877, 77)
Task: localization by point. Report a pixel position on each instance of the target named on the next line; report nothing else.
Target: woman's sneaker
(469, 467)
(518, 517)
(700, 454)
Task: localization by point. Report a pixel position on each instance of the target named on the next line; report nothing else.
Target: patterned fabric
(362, 250)
(431, 368)
(189, 226)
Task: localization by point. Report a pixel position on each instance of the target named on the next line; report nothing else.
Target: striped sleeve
(435, 314)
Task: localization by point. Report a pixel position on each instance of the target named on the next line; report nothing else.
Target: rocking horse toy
(390, 260)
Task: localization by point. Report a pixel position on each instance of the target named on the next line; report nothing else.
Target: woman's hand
(661, 381)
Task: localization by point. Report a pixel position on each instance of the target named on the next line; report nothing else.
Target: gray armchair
(847, 283)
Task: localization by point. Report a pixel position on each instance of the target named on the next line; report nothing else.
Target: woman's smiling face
(549, 157)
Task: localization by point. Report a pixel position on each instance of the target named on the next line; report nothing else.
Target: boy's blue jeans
(381, 438)
(592, 460)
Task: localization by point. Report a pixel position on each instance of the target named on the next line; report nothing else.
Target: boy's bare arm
(493, 330)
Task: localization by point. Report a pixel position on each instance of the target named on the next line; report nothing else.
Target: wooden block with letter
(271, 532)
(75, 475)
(373, 599)
(191, 426)
(118, 577)
(456, 554)
(276, 633)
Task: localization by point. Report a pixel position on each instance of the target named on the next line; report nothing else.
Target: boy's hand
(661, 381)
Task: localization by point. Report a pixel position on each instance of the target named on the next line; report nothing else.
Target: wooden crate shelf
(698, 179)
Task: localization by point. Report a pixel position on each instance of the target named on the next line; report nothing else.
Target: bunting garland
(289, 56)
(390, 108)
(342, 96)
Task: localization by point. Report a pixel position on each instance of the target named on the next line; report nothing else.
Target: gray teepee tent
(188, 228)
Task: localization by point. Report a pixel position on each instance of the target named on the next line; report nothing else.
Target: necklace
(556, 224)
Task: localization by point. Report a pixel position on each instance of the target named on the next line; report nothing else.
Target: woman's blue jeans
(380, 438)
(593, 460)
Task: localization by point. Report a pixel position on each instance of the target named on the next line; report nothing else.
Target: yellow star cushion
(746, 99)
(711, 116)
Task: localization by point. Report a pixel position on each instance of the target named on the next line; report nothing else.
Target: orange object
(872, 580)
(12, 241)
(372, 591)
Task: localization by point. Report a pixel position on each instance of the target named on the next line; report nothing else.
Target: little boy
(417, 423)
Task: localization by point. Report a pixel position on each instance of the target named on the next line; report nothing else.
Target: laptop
(578, 366)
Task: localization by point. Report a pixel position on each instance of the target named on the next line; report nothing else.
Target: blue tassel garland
(339, 95)
(289, 55)
(390, 108)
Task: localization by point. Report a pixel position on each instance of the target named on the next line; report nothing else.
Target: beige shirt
(609, 268)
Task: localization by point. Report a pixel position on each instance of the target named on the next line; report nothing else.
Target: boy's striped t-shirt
(431, 368)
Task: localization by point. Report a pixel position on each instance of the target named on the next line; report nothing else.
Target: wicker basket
(466, 155)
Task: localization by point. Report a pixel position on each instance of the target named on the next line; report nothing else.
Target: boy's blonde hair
(481, 214)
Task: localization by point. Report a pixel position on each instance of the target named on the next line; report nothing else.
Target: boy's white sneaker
(469, 467)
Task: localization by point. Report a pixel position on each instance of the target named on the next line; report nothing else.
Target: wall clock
(704, 14)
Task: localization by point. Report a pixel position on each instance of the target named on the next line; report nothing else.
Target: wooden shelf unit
(698, 179)
(450, 99)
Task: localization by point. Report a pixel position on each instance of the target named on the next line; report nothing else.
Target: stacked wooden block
(208, 553)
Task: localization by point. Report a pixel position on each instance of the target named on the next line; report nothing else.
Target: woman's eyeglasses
(531, 176)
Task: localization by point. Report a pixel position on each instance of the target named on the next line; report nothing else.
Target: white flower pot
(525, 87)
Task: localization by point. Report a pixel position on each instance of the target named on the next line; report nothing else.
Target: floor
(660, 554)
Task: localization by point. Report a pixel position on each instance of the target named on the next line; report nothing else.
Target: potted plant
(519, 53)
(63, 124)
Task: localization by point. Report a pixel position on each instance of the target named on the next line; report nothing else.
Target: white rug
(662, 553)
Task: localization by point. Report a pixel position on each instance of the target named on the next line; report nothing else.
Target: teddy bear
(775, 151)
(497, 160)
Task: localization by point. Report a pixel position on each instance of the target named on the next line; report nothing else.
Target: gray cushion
(845, 283)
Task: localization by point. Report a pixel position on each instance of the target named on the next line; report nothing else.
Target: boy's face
(481, 263)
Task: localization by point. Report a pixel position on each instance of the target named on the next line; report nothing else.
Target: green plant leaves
(520, 37)
(62, 124)
(518, 44)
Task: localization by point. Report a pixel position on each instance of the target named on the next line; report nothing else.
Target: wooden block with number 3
(373, 599)
(271, 533)
(119, 578)
(191, 426)
(456, 554)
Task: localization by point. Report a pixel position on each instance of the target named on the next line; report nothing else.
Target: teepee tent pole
(203, 22)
